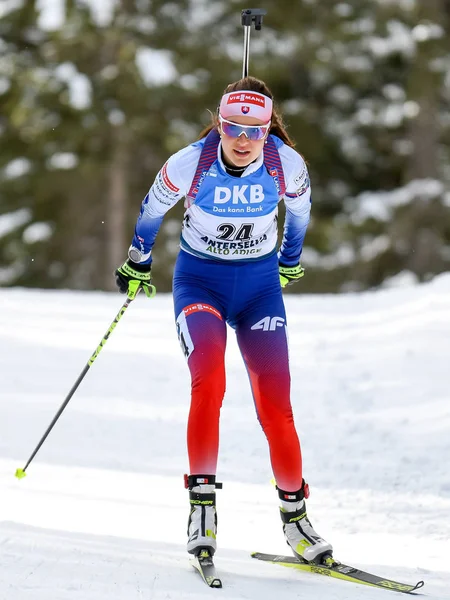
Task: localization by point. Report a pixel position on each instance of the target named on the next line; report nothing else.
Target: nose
(242, 139)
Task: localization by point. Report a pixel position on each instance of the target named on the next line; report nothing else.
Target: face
(241, 151)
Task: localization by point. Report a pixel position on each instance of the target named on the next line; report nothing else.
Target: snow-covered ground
(102, 512)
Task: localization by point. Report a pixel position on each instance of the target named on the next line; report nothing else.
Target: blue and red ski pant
(207, 295)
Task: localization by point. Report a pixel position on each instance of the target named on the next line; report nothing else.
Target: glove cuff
(293, 271)
(136, 271)
(140, 267)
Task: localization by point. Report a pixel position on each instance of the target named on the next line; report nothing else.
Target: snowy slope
(102, 513)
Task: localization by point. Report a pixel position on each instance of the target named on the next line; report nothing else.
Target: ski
(204, 565)
(333, 568)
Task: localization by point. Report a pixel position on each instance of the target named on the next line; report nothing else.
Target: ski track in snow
(102, 512)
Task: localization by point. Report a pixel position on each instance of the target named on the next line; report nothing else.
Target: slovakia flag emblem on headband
(245, 109)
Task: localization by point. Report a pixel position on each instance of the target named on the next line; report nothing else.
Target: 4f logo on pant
(269, 323)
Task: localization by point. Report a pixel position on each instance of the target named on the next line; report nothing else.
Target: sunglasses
(252, 132)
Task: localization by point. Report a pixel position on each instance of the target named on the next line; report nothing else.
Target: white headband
(247, 103)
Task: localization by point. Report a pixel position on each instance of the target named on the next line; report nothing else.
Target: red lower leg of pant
(272, 399)
(203, 424)
(285, 455)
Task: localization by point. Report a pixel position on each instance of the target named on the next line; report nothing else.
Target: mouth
(241, 153)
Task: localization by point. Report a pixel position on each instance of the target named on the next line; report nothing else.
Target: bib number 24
(227, 231)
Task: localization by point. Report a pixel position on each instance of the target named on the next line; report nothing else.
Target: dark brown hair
(254, 85)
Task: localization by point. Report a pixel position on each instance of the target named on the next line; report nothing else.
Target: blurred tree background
(95, 95)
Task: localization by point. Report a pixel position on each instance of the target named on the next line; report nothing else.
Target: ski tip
(20, 473)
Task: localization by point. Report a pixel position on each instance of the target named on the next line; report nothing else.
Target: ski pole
(249, 16)
(135, 288)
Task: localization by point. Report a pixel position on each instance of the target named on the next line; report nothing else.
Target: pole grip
(253, 15)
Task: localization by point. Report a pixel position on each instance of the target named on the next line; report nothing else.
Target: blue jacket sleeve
(167, 189)
(294, 232)
(297, 200)
(145, 232)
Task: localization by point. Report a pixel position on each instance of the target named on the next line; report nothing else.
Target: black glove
(131, 276)
(290, 275)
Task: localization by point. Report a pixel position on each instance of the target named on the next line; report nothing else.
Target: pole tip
(20, 473)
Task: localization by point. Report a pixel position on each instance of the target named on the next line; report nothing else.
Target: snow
(428, 31)
(357, 64)
(102, 512)
(62, 160)
(411, 109)
(374, 246)
(102, 12)
(5, 84)
(8, 6)
(80, 86)
(403, 279)
(11, 221)
(51, 12)
(116, 117)
(380, 205)
(343, 9)
(156, 66)
(399, 40)
(37, 232)
(16, 168)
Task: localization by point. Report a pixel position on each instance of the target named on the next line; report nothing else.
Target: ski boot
(305, 542)
(202, 524)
